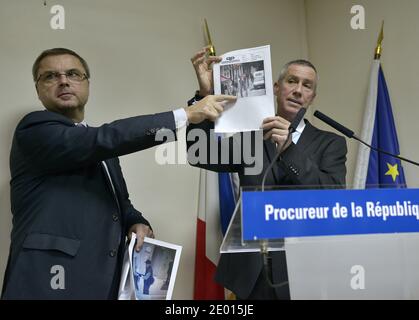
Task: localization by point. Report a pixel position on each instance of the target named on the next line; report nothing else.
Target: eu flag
(384, 171)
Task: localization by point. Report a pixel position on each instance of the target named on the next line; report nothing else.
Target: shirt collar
(83, 123)
(297, 134)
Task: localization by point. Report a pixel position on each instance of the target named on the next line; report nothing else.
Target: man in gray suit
(70, 205)
(311, 158)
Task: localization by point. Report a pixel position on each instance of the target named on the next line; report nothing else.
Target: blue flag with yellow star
(384, 171)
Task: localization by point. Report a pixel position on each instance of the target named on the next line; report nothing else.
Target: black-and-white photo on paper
(243, 79)
(154, 269)
(246, 74)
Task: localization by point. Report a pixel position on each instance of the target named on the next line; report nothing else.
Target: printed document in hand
(149, 274)
(246, 74)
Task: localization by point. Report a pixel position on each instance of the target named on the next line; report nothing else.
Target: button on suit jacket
(69, 226)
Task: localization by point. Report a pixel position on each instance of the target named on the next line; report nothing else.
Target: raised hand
(202, 63)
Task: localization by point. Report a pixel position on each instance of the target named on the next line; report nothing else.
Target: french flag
(215, 206)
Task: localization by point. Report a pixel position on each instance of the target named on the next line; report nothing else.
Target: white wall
(343, 57)
(138, 52)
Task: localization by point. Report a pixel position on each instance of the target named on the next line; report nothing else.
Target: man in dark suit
(312, 157)
(70, 205)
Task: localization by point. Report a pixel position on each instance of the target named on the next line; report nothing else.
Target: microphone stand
(350, 134)
(385, 152)
(264, 243)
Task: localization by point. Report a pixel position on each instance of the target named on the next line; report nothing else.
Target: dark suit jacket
(317, 160)
(65, 213)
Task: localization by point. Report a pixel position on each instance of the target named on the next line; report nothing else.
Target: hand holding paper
(202, 63)
(142, 231)
(276, 129)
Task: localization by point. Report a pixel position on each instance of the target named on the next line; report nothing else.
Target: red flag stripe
(205, 286)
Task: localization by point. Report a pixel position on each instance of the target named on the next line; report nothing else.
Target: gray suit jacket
(65, 213)
(317, 160)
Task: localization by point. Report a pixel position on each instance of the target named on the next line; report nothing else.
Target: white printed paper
(247, 74)
(149, 274)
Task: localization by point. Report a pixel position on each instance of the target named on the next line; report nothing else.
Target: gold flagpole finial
(378, 49)
(207, 33)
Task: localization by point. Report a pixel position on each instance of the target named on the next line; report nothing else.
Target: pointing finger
(227, 98)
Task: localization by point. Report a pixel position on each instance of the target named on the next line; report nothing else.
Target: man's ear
(312, 99)
(276, 88)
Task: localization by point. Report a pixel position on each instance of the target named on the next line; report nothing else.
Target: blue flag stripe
(226, 196)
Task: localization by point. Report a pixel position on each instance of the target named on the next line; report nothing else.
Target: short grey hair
(298, 62)
(57, 52)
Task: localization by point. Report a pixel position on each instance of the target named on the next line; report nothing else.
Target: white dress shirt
(297, 134)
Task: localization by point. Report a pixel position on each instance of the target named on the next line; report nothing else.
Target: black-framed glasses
(52, 77)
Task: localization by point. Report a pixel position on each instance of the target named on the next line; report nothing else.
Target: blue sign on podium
(306, 213)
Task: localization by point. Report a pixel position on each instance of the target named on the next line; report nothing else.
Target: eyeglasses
(52, 77)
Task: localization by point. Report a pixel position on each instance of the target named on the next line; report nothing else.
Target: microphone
(294, 124)
(350, 134)
(334, 124)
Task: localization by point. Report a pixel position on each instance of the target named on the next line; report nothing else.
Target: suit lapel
(307, 136)
(110, 178)
(306, 139)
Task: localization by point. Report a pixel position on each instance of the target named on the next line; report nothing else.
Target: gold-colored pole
(379, 49)
(212, 48)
